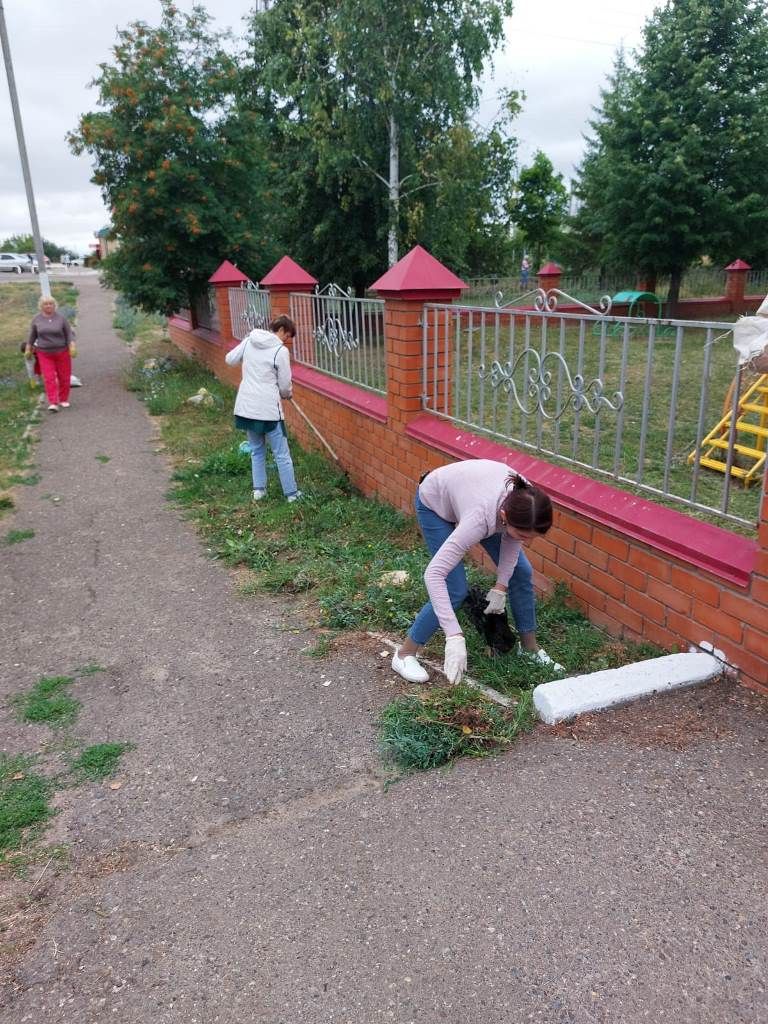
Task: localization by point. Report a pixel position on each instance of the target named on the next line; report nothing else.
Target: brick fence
(637, 569)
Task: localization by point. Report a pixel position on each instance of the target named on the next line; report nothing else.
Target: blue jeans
(520, 596)
(278, 442)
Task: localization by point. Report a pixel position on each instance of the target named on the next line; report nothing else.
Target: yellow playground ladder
(752, 421)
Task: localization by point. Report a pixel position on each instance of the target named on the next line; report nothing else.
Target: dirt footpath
(253, 867)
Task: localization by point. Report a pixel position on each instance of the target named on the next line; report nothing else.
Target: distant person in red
(51, 340)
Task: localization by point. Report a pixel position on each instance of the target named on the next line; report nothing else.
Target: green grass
(419, 732)
(18, 304)
(24, 802)
(103, 458)
(99, 761)
(17, 536)
(24, 794)
(135, 325)
(47, 702)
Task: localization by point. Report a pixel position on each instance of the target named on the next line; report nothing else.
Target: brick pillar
(418, 278)
(549, 276)
(736, 284)
(225, 317)
(285, 277)
(227, 276)
(280, 300)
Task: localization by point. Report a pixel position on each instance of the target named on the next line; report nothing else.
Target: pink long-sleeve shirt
(468, 494)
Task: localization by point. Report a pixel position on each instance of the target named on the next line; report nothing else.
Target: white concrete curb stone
(566, 698)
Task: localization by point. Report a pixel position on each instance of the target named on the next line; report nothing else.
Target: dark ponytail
(526, 507)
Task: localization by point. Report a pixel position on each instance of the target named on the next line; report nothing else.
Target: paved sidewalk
(253, 868)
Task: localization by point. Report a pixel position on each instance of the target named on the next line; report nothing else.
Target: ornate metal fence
(634, 400)
(249, 308)
(341, 335)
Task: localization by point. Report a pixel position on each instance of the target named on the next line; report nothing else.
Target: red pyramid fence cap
(549, 269)
(287, 273)
(419, 274)
(227, 273)
(738, 265)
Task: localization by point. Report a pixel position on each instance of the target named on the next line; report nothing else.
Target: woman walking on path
(51, 340)
(258, 407)
(458, 506)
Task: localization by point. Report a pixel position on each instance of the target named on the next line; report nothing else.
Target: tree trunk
(394, 191)
(675, 279)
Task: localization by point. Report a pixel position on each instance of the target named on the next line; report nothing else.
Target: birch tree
(375, 83)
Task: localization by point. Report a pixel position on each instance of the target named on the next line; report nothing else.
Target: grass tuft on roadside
(17, 536)
(24, 802)
(47, 702)
(99, 761)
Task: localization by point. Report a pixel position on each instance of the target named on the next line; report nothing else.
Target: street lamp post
(45, 287)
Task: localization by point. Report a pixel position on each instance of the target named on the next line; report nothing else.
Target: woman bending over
(458, 506)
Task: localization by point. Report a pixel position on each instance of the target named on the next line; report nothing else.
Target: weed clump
(419, 732)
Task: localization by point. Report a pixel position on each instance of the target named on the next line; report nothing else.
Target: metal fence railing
(633, 400)
(249, 308)
(341, 336)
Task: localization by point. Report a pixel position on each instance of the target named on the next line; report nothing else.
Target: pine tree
(678, 164)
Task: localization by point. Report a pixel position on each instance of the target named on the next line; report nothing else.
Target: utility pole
(45, 287)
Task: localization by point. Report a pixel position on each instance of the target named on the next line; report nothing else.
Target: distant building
(106, 242)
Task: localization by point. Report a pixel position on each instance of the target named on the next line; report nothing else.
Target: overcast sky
(560, 59)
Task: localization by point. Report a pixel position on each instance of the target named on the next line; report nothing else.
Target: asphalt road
(253, 867)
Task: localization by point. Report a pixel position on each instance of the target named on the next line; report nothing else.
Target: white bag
(750, 334)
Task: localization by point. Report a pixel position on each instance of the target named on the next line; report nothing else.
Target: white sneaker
(542, 657)
(53, 408)
(295, 497)
(409, 668)
(64, 405)
(259, 493)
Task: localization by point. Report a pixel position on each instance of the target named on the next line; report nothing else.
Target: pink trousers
(56, 368)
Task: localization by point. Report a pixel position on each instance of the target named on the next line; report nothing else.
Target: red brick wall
(637, 570)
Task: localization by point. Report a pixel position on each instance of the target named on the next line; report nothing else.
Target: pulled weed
(424, 731)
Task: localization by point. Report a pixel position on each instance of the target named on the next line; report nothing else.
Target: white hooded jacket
(266, 375)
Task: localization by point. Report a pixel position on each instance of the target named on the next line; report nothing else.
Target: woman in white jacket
(258, 406)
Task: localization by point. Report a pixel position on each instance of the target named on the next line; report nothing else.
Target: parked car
(32, 257)
(14, 263)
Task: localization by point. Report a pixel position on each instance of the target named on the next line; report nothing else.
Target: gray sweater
(50, 333)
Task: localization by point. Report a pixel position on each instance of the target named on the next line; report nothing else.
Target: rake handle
(312, 427)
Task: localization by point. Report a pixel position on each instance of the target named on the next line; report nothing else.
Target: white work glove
(497, 600)
(455, 657)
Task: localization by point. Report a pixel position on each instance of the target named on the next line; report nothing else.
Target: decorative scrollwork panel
(535, 391)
